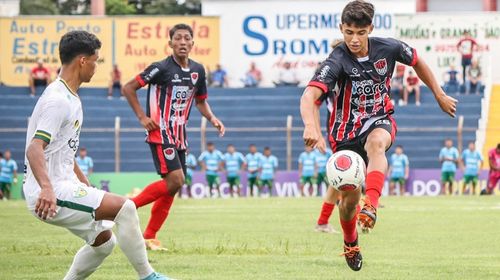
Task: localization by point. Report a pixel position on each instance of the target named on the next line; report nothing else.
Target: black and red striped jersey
(358, 89)
(170, 95)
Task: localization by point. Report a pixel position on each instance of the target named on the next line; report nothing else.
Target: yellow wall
(132, 42)
(493, 126)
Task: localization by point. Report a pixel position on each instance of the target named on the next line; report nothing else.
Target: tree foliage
(38, 7)
(119, 7)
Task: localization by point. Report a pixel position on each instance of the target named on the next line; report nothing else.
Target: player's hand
(46, 204)
(149, 124)
(321, 145)
(448, 104)
(219, 125)
(311, 136)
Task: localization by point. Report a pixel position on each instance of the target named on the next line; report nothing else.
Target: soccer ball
(346, 170)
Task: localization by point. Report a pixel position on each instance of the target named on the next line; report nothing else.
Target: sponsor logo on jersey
(381, 66)
(369, 87)
(73, 144)
(355, 71)
(179, 106)
(323, 72)
(79, 193)
(169, 153)
(383, 122)
(151, 74)
(194, 77)
(176, 79)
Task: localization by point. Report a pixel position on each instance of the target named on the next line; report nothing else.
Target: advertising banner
(131, 42)
(140, 41)
(435, 36)
(299, 32)
(24, 40)
(422, 182)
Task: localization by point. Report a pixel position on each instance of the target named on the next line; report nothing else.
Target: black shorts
(167, 158)
(117, 85)
(40, 82)
(357, 144)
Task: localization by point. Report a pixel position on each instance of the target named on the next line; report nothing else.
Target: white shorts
(76, 204)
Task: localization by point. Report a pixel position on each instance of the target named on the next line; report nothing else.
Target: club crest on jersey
(381, 66)
(169, 153)
(79, 193)
(194, 77)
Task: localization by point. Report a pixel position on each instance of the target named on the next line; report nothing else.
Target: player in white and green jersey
(56, 190)
(211, 162)
(472, 161)
(234, 162)
(191, 164)
(253, 161)
(321, 160)
(268, 165)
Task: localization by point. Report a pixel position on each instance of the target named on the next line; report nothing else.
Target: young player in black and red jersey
(173, 84)
(361, 118)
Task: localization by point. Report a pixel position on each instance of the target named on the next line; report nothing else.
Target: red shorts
(493, 179)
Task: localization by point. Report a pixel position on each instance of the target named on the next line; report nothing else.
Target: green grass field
(415, 238)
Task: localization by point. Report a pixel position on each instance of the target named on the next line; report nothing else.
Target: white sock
(130, 239)
(88, 259)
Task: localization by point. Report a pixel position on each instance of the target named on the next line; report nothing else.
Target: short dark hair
(76, 43)
(230, 145)
(210, 144)
(472, 142)
(399, 146)
(358, 13)
(180, 26)
(252, 145)
(83, 149)
(498, 146)
(267, 149)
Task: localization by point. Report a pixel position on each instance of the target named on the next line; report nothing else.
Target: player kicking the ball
(56, 190)
(361, 118)
(173, 84)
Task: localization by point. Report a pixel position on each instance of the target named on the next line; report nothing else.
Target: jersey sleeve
(149, 74)
(202, 157)
(403, 53)
(407, 162)
(54, 113)
(91, 163)
(327, 75)
(301, 158)
(14, 166)
(201, 87)
(275, 162)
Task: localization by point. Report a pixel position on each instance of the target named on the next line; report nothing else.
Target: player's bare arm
(130, 92)
(79, 174)
(447, 103)
(46, 203)
(205, 111)
(321, 144)
(309, 116)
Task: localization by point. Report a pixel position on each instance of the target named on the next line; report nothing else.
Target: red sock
(349, 229)
(159, 213)
(374, 184)
(151, 193)
(326, 212)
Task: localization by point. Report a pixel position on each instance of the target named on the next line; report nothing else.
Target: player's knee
(107, 248)
(375, 145)
(348, 205)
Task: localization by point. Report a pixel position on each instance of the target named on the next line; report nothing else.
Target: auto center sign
(273, 32)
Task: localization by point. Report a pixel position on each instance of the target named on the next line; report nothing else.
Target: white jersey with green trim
(57, 120)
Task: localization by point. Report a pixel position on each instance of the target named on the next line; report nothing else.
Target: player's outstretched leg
(347, 213)
(378, 141)
(326, 211)
(123, 212)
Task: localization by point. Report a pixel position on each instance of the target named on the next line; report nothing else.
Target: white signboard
(271, 33)
(435, 36)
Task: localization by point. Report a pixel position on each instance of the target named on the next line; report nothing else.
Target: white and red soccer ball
(346, 170)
